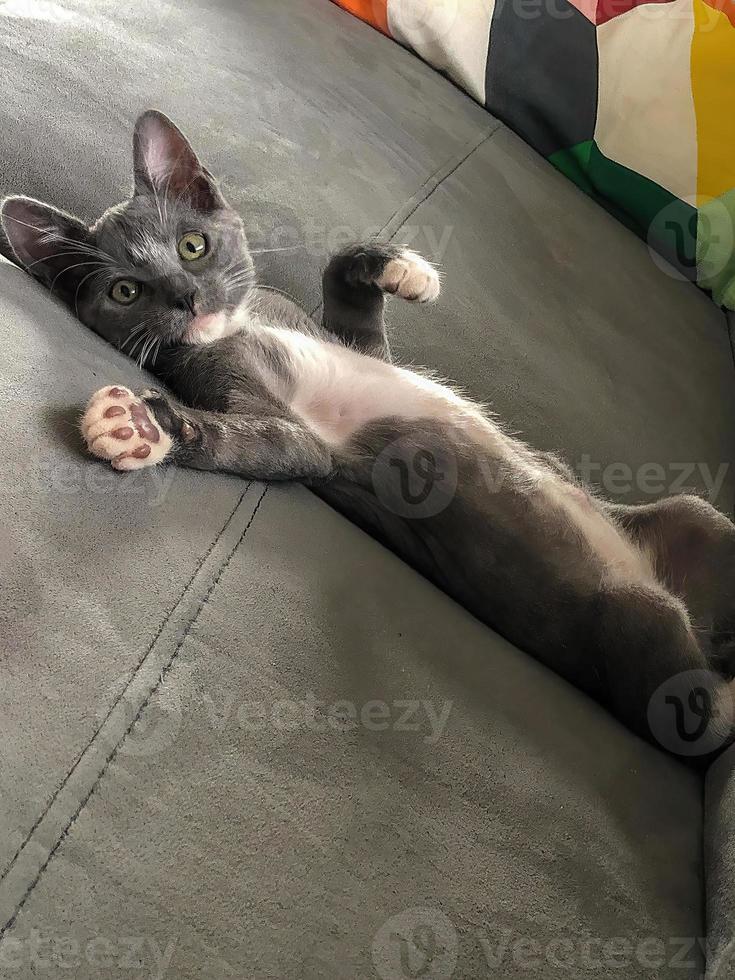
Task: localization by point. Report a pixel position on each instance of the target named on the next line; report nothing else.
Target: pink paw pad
(143, 424)
(114, 415)
(125, 432)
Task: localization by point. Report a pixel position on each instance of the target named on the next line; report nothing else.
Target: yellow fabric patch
(713, 89)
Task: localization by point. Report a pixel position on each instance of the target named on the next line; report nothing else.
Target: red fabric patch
(726, 7)
(375, 12)
(601, 11)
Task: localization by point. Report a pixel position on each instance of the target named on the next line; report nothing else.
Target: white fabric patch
(452, 35)
(646, 119)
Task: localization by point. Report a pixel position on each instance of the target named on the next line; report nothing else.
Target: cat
(633, 605)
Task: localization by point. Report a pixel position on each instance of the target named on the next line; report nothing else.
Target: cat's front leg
(135, 431)
(354, 286)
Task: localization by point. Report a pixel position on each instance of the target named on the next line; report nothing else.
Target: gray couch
(239, 738)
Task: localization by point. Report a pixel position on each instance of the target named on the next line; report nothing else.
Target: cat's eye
(192, 246)
(125, 291)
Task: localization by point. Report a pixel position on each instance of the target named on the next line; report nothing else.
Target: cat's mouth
(206, 328)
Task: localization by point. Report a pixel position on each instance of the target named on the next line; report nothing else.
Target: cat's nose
(189, 301)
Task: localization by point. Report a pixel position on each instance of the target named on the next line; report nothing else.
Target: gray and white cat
(623, 601)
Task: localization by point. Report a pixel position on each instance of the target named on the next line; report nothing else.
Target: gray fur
(502, 552)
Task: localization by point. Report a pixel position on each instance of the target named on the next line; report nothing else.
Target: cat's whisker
(141, 355)
(140, 332)
(240, 266)
(231, 287)
(144, 353)
(58, 255)
(281, 292)
(151, 346)
(138, 342)
(86, 247)
(284, 248)
(157, 351)
(94, 272)
(239, 269)
(68, 268)
(48, 234)
(246, 271)
(133, 333)
(237, 280)
(152, 340)
(24, 223)
(131, 352)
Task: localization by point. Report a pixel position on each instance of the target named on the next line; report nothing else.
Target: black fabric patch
(541, 76)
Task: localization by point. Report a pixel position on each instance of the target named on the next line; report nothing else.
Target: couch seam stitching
(428, 183)
(117, 700)
(111, 757)
(436, 186)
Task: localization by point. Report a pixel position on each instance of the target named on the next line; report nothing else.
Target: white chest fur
(337, 390)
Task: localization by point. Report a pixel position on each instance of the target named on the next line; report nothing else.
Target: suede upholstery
(239, 737)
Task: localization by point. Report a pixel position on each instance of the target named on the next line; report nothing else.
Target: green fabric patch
(574, 164)
(716, 248)
(667, 224)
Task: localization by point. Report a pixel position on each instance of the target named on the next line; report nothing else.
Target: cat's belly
(338, 391)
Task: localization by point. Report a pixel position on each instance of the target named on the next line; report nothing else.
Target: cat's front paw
(392, 268)
(410, 276)
(120, 427)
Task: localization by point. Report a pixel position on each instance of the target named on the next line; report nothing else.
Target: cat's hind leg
(356, 282)
(693, 550)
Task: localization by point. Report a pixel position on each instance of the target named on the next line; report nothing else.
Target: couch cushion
(719, 853)
(335, 755)
(90, 566)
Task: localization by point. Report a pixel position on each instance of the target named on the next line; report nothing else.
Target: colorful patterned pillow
(634, 100)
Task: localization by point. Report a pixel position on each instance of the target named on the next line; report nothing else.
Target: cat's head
(170, 264)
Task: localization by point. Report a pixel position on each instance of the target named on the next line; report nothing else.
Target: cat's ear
(53, 246)
(165, 164)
